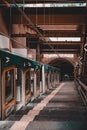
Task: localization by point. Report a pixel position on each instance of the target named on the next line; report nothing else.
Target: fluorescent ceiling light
(73, 39)
(58, 55)
(56, 5)
(42, 5)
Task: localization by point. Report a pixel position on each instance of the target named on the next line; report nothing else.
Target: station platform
(60, 108)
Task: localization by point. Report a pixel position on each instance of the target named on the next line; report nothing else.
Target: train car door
(53, 79)
(8, 91)
(32, 83)
(38, 82)
(49, 79)
(27, 86)
(19, 99)
(46, 80)
(41, 81)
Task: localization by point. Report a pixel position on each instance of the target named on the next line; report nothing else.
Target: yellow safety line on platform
(26, 119)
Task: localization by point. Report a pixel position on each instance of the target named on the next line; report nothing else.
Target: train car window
(38, 78)
(27, 82)
(46, 78)
(18, 76)
(32, 82)
(9, 85)
(50, 77)
(56, 77)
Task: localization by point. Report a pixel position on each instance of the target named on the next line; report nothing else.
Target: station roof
(55, 20)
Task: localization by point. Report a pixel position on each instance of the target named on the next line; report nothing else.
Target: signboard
(85, 47)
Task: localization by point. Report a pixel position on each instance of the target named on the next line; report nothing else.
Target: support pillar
(35, 84)
(38, 52)
(84, 61)
(43, 79)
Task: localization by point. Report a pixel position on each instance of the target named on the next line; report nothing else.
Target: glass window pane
(9, 85)
(27, 82)
(38, 78)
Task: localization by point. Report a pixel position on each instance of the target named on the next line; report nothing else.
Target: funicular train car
(22, 80)
(30, 80)
(57, 76)
(51, 77)
(36, 79)
(54, 76)
(38, 72)
(46, 76)
(32, 83)
(8, 83)
(16, 82)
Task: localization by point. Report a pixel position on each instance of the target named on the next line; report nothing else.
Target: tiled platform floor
(59, 109)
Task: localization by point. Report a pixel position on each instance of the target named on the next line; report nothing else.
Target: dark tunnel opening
(66, 69)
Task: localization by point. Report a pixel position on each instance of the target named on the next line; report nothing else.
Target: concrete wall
(73, 60)
(20, 29)
(3, 28)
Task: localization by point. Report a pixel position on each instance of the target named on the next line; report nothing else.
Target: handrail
(82, 88)
(83, 85)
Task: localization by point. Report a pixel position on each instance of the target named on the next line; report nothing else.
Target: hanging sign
(85, 47)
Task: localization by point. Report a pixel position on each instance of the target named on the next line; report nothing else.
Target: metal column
(43, 79)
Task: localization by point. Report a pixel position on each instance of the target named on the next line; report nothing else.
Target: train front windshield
(27, 83)
(9, 83)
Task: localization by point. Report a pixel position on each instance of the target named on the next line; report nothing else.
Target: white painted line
(26, 119)
(19, 125)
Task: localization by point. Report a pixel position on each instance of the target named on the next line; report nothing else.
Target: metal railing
(82, 88)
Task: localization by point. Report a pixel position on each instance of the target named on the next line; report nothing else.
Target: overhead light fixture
(63, 39)
(48, 5)
(55, 5)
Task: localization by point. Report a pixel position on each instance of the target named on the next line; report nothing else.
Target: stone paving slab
(54, 125)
